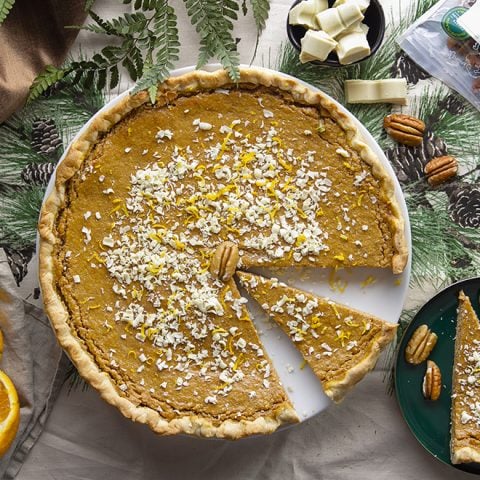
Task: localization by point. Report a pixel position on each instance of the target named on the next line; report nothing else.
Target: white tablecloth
(363, 437)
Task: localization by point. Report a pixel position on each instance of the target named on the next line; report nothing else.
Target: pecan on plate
(432, 381)
(420, 345)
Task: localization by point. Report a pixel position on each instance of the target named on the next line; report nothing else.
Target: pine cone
(45, 137)
(464, 207)
(54, 89)
(453, 104)
(18, 261)
(38, 173)
(406, 68)
(409, 162)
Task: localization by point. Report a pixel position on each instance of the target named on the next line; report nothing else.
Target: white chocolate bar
(304, 13)
(352, 47)
(392, 90)
(316, 45)
(362, 4)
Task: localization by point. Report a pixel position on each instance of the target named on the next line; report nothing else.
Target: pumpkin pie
(465, 412)
(142, 200)
(340, 344)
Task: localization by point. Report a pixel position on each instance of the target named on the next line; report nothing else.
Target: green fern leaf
(152, 93)
(47, 78)
(260, 10)
(114, 77)
(5, 7)
(89, 4)
(215, 31)
(166, 42)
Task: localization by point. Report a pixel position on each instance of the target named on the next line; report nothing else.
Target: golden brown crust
(76, 154)
(463, 445)
(337, 389)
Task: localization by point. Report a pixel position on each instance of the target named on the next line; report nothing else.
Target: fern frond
(260, 10)
(215, 31)
(5, 7)
(167, 44)
(48, 77)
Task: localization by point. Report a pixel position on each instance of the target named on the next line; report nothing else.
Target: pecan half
(420, 345)
(224, 261)
(432, 381)
(405, 129)
(441, 169)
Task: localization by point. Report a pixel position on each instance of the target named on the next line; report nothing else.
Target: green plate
(430, 421)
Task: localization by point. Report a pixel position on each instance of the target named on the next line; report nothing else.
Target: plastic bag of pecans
(438, 44)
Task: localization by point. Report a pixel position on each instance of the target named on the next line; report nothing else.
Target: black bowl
(374, 18)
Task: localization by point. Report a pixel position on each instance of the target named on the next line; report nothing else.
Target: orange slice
(9, 412)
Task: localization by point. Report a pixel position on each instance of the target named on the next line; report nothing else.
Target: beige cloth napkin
(32, 36)
(31, 359)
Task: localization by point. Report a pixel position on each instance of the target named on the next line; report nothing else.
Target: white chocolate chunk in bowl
(304, 13)
(362, 4)
(352, 47)
(316, 46)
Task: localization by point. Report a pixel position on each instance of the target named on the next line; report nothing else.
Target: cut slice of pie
(465, 413)
(340, 344)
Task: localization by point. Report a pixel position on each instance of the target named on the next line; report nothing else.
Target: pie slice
(340, 344)
(465, 413)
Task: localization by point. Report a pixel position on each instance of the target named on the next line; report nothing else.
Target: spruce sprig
(5, 7)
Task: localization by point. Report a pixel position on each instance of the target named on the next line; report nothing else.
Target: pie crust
(50, 242)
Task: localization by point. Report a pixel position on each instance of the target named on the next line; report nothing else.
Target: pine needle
(19, 215)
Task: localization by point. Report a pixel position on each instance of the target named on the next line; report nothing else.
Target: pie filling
(156, 194)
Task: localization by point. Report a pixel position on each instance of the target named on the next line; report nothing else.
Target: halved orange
(9, 412)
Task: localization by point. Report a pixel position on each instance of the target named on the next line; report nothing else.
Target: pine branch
(5, 7)
(433, 226)
(19, 215)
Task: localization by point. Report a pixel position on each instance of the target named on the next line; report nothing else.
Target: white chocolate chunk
(316, 46)
(330, 22)
(357, 27)
(392, 90)
(362, 4)
(352, 47)
(335, 21)
(304, 13)
(350, 13)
